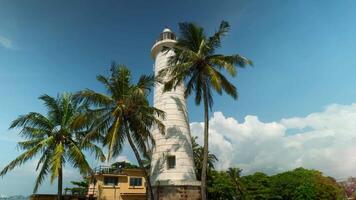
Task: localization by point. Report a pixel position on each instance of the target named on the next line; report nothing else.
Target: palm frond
(29, 154)
(54, 111)
(77, 158)
(42, 174)
(114, 139)
(57, 160)
(32, 119)
(215, 40)
(93, 98)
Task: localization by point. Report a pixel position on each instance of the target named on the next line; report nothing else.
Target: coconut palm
(235, 176)
(124, 113)
(197, 64)
(198, 152)
(56, 138)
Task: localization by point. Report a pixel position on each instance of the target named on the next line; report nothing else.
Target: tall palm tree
(56, 138)
(124, 113)
(196, 64)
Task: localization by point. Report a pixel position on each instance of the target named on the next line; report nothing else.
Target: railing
(166, 35)
(108, 170)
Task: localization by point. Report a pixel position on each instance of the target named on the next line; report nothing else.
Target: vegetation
(299, 184)
(57, 137)
(198, 153)
(196, 64)
(124, 113)
(76, 123)
(81, 187)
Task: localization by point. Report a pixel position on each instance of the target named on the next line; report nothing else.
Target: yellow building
(117, 183)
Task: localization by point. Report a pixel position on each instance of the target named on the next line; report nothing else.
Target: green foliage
(220, 186)
(81, 187)
(125, 165)
(299, 184)
(198, 158)
(196, 64)
(258, 186)
(123, 114)
(304, 192)
(235, 177)
(56, 137)
(306, 184)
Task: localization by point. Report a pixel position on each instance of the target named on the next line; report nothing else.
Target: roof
(166, 30)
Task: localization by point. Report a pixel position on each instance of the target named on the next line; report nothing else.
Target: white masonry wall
(177, 140)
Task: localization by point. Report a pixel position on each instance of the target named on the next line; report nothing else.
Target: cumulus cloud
(322, 140)
(5, 42)
(122, 158)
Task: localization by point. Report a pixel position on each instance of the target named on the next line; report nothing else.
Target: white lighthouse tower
(172, 165)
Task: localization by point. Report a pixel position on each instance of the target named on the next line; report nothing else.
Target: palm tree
(124, 113)
(196, 64)
(235, 176)
(56, 137)
(198, 152)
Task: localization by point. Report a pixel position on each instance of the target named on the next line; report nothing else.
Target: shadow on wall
(184, 144)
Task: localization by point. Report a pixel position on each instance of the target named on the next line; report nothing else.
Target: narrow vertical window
(171, 162)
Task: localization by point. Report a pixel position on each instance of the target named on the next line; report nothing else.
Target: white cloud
(323, 140)
(121, 158)
(5, 42)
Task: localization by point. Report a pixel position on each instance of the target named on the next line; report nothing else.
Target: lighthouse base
(177, 192)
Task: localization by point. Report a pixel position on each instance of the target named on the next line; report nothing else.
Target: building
(349, 186)
(172, 165)
(117, 182)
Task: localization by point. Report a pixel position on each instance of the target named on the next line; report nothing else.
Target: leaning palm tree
(124, 113)
(56, 138)
(196, 64)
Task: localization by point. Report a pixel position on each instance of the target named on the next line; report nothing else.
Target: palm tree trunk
(60, 183)
(206, 146)
(140, 162)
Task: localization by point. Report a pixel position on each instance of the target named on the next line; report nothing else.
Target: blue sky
(303, 53)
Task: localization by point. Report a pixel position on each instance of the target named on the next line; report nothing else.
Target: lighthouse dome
(166, 30)
(166, 39)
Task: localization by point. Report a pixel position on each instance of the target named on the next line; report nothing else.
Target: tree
(305, 184)
(124, 113)
(221, 187)
(235, 176)
(198, 152)
(57, 137)
(196, 64)
(80, 187)
(258, 186)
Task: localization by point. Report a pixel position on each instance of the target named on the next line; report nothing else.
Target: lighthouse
(172, 165)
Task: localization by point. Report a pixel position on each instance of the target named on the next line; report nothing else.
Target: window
(135, 181)
(109, 180)
(171, 162)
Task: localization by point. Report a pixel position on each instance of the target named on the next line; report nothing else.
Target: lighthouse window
(171, 162)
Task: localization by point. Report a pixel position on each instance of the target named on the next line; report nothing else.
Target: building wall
(176, 141)
(121, 191)
(177, 192)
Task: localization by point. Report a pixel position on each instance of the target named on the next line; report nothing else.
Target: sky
(296, 105)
